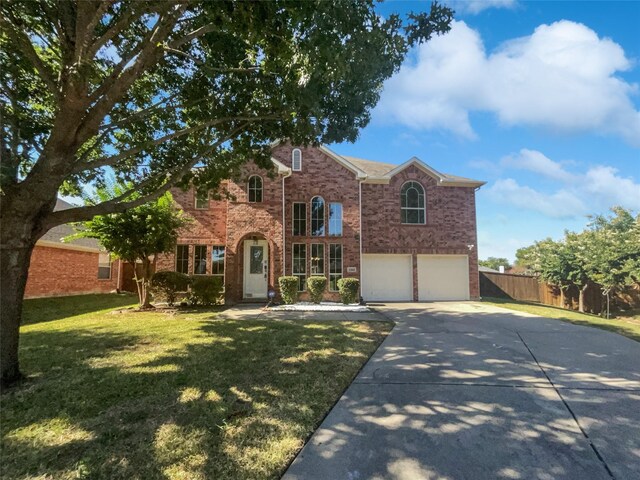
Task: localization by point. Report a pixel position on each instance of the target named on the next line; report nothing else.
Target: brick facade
(56, 271)
(450, 227)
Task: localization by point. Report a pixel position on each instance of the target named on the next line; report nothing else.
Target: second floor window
(300, 219)
(317, 217)
(335, 219)
(255, 189)
(202, 200)
(296, 160)
(412, 204)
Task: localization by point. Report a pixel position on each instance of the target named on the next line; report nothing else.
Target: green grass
(170, 396)
(628, 326)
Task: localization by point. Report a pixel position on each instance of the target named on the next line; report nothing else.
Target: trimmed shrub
(315, 287)
(348, 289)
(166, 285)
(205, 290)
(288, 289)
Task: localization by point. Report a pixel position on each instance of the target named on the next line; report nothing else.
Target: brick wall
(60, 271)
(450, 222)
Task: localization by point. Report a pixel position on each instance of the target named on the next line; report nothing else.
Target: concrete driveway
(471, 391)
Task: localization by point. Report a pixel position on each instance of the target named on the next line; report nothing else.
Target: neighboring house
(407, 232)
(487, 269)
(69, 268)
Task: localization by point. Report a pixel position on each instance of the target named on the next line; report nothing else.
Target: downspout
(284, 227)
(361, 233)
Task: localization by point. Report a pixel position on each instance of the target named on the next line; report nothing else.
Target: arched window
(255, 188)
(317, 217)
(296, 160)
(412, 204)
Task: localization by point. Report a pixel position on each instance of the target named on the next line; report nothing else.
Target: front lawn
(172, 396)
(627, 326)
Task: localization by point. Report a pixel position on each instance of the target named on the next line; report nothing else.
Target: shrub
(348, 289)
(205, 290)
(316, 286)
(166, 285)
(289, 289)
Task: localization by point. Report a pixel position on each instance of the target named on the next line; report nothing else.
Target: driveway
(471, 391)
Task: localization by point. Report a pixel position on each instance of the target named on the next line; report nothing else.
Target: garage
(443, 277)
(387, 277)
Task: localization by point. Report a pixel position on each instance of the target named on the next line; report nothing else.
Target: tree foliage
(139, 234)
(495, 263)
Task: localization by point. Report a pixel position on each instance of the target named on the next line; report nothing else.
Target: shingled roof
(58, 233)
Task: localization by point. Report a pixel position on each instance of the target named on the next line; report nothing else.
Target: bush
(348, 289)
(205, 290)
(288, 289)
(316, 286)
(166, 285)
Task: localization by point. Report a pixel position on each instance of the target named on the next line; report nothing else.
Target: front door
(256, 269)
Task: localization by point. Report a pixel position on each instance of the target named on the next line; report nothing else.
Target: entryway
(256, 269)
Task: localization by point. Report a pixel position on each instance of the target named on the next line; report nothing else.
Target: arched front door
(256, 269)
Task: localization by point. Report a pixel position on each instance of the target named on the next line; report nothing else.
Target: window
(202, 200)
(182, 259)
(256, 259)
(299, 265)
(296, 160)
(217, 260)
(317, 217)
(335, 219)
(104, 266)
(317, 259)
(299, 218)
(200, 260)
(412, 203)
(335, 265)
(255, 189)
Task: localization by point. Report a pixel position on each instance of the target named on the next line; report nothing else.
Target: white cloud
(476, 6)
(561, 77)
(593, 191)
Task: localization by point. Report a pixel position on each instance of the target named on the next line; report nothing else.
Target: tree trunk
(581, 299)
(14, 269)
(146, 276)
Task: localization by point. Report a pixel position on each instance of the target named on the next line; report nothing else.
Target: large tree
(145, 90)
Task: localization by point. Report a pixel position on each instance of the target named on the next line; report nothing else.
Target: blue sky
(539, 99)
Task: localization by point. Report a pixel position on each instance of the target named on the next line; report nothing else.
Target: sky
(539, 99)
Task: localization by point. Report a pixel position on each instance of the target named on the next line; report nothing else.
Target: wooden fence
(527, 289)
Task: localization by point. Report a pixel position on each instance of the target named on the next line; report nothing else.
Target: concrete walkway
(257, 312)
(471, 391)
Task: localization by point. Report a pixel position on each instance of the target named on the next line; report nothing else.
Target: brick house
(406, 231)
(70, 268)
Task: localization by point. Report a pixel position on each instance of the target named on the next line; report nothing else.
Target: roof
(487, 269)
(59, 232)
(370, 167)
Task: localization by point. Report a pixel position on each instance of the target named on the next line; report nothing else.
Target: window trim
(206, 253)
(330, 234)
(293, 219)
(255, 189)
(423, 208)
(293, 164)
(341, 266)
(195, 201)
(224, 260)
(311, 257)
(176, 258)
(324, 219)
(299, 274)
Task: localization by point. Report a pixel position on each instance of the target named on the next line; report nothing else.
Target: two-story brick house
(407, 232)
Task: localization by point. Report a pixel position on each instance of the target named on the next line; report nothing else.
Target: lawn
(172, 396)
(629, 326)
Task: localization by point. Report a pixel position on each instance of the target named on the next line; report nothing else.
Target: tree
(495, 263)
(146, 90)
(140, 233)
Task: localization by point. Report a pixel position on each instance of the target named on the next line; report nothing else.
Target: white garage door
(387, 277)
(443, 277)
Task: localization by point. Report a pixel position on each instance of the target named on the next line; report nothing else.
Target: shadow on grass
(617, 325)
(221, 399)
(36, 310)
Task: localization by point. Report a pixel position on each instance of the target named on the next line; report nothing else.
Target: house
(408, 232)
(70, 268)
